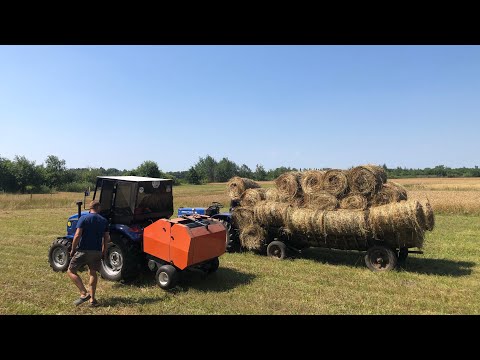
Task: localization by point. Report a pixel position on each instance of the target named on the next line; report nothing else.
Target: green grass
(445, 280)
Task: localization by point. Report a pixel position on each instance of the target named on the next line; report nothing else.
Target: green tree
(245, 172)
(26, 173)
(55, 171)
(149, 169)
(225, 170)
(260, 173)
(193, 177)
(206, 167)
(7, 177)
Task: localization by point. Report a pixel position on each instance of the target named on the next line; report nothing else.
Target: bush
(76, 186)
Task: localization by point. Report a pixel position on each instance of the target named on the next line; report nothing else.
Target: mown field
(445, 280)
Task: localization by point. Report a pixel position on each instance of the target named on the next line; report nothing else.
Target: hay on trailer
(378, 171)
(311, 181)
(252, 237)
(428, 213)
(251, 196)
(354, 202)
(272, 194)
(391, 192)
(288, 184)
(345, 222)
(364, 180)
(270, 213)
(320, 201)
(396, 217)
(242, 217)
(237, 185)
(306, 221)
(335, 182)
(406, 239)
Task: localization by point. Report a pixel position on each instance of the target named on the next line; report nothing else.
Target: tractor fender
(126, 231)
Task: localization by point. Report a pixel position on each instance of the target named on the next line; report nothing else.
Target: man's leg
(93, 283)
(77, 280)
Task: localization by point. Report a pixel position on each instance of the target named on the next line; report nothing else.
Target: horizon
(295, 106)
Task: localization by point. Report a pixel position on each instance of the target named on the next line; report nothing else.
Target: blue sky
(298, 106)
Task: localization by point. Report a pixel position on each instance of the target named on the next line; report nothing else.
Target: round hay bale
(237, 185)
(252, 237)
(396, 217)
(272, 194)
(320, 201)
(335, 182)
(391, 192)
(429, 215)
(242, 217)
(354, 202)
(251, 196)
(345, 222)
(288, 184)
(378, 171)
(364, 180)
(406, 239)
(311, 181)
(306, 221)
(270, 213)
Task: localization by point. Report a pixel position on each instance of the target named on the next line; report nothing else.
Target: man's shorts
(86, 257)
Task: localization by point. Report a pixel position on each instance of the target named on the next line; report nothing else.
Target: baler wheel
(166, 277)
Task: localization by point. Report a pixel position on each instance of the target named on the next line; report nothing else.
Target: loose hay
(269, 213)
(237, 185)
(311, 181)
(405, 216)
(308, 221)
(345, 222)
(391, 192)
(252, 237)
(242, 217)
(288, 184)
(335, 182)
(365, 180)
(320, 201)
(251, 196)
(429, 215)
(354, 202)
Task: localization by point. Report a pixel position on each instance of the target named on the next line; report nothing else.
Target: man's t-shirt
(94, 226)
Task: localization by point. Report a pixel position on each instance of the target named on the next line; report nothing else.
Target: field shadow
(223, 279)
(118, 300)
(419, 265)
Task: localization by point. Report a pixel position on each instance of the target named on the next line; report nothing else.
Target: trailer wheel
(59, 254)
(166, 277)
(277, 250)
(402, 255)
(380, 258)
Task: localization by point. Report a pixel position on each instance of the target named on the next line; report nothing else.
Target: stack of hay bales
(343, 209)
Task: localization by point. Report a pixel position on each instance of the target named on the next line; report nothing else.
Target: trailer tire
(402, 255)
(277, 250)
(380, 258)
(166, 277)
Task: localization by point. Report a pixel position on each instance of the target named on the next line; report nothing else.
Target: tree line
(22, 175)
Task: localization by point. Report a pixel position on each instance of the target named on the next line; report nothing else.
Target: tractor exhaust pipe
(79, 204)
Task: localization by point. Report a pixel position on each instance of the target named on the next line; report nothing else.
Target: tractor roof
(132, 178)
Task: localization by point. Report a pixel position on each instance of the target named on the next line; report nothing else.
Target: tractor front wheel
(59, 254)
(166, 277)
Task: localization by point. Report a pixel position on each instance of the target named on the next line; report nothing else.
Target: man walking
(91, 237)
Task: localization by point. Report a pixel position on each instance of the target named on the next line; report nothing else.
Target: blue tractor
(130, 203)
(232, 242)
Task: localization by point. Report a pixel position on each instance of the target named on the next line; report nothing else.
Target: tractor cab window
(104, 193)
(124, 201)
(153, 199)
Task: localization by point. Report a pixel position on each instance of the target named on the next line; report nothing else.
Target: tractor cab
(134, 199)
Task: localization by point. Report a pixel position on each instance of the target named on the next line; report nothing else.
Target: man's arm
(76, 239)
(106, 240)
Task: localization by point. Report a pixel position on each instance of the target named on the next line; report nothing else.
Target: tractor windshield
(154, 200)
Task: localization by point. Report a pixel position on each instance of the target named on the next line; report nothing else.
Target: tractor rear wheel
(122, 260)
(380, 258)
(166, 277)
(277, 250)
(59, 254)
